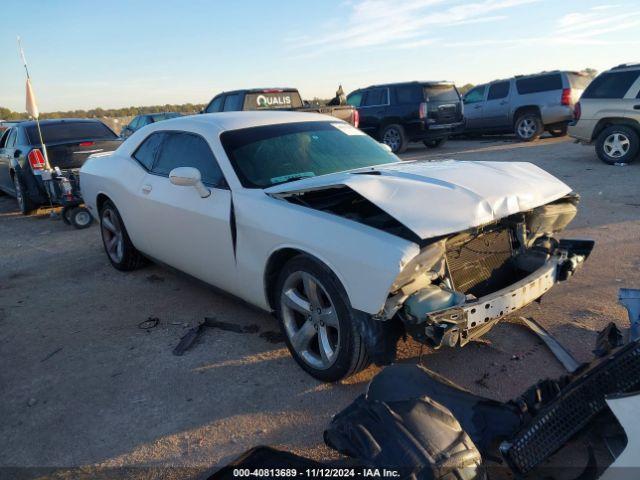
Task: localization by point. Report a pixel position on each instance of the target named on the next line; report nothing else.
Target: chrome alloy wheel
(616, 145)
(392, 139)
(112, 235)
(527, 128)
(310, 320)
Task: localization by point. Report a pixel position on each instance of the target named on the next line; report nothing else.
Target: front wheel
(528, 127)
(617, 144)
(117, 244)
(395, 138)
(319, 325)
(436, 143)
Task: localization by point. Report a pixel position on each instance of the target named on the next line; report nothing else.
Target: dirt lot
(82, 384)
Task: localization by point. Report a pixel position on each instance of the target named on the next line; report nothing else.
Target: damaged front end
(459, 286)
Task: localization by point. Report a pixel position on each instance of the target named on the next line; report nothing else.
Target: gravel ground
(82, 384)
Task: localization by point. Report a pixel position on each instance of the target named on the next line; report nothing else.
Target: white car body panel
(174, 225)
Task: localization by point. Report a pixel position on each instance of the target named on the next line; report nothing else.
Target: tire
(394, 136)
(65, 214)
(528, 127)
(80, 218)
(112, 226)
(25, 205)
(307, 327)
(617, 144)
(559, 132)
(437, 143)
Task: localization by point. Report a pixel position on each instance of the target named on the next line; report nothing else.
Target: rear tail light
(423, 110)
(577, 111)
(86, 144)
(566, 96)
(356, 118)
(36, 159)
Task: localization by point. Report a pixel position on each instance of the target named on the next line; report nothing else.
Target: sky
(88, 53)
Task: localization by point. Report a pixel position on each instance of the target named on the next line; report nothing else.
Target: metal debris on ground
(51, 355)
(189, 338)
(151, 322)
(559, 351)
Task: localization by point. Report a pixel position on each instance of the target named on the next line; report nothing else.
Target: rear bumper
(430, 131)
(459, 325)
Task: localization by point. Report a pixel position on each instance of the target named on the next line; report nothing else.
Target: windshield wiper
(291, 179)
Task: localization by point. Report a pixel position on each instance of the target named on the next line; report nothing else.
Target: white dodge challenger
(308, 217)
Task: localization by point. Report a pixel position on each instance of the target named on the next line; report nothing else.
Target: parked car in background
(524, 105)
(276, 99)
(69, 142)
(143, 120)
(311, 218)
(398, 113)
(608, 114)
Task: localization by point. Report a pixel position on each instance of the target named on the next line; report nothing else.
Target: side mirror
(189, 177)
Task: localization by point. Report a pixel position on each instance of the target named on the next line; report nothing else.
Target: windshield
(273, 154)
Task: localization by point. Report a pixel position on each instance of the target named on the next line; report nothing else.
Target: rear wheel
(617, 144)
(117, 244)
(80, 217)
(318, 323)
(438, 142)
(24, 203)
(394, 136)
(528, 127)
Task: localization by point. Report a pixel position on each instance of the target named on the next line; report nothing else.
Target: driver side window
(180, 149)
(475, 95)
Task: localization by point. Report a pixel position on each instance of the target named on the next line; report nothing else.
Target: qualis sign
(270, 101)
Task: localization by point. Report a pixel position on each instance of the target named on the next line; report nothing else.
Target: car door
(473, 106)
(372, 109)
(184, 230)
(495, 111)
(7, 158)
(5, 161)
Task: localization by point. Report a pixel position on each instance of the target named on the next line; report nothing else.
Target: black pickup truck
(275, 99)
(399, 113)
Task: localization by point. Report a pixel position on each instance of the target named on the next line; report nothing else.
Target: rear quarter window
(148, 150)
(541, 83)
(611, 85)
(409, 94)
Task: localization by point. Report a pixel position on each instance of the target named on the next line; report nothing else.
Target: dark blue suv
(399, 113)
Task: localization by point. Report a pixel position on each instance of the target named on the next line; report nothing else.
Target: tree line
(185, 108)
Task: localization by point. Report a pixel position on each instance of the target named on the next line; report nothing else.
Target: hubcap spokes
(392, 138)
(112, 236)
(527, 128)
(616, 145)
(310, 320)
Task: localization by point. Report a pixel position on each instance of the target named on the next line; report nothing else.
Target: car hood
(440, 198)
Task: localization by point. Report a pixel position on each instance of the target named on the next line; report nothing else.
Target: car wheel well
(610, 121)
(525, 109)
(100, 201)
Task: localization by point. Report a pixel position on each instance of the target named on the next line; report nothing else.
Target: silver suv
(525, 105)
(608, 115)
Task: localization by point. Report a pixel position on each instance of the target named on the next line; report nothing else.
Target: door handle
(147, 189)
(503, 103)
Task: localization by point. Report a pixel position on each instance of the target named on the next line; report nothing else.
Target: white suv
(608, 114)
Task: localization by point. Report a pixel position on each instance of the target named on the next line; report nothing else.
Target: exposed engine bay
(460, 285)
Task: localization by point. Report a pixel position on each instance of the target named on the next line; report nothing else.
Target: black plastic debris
(265, 459)
(149, 323)
(608, 339)
(190, 338)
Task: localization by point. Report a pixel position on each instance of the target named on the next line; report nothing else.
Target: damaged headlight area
(459, 286)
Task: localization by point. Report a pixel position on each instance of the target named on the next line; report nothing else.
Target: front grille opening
(483, 263)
